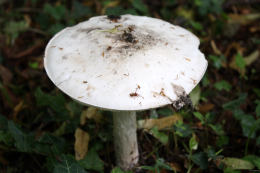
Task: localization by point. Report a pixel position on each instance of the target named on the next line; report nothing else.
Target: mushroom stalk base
(125, 139)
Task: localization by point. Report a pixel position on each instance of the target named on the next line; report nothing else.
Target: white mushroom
(125, 64)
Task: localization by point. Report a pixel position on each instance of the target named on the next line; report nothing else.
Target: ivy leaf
(67, 164)
(23, 142)
(79, 10)
(240, 62)
(200, 159)
(57, 103)
(165, 111)
(222, 85)
(217, 129)
(234, 104)
(6, 138)
(140, 6)
(248, 126)
(182, 130)
(163, 138)
(49, 144)
(57, 12)
(217, 60)
(92, 161)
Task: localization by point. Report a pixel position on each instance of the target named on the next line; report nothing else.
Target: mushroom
(125, 64)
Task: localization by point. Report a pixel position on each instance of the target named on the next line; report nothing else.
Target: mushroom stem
(125, 139)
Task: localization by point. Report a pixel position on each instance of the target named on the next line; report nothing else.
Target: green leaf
(195, 95)
(140, 6)
(234, 104)
(57, 12)
(118, 170)
(161, 164)
(257, 91)
(57, 103)
(3, 123)
(209, 6)
(222, 141)
(257, 109)
(74, 108)
(254, 160)
(54, 28)
(217, 129)
(238, 113)
(199, 116)
(33, 65)
(165, 111)
(153, 114)
(79, 10)
(67, 164)
(92, 161)
(196, 25)
(212, 154)
(217, 60)
(14, 28)
(49, 144)
(205, 80)
(236, 163)
(151, 168)
(193, 144)
(240, 62)
(200, 159)
(181, 129)
(163, 138)
(23, 142)
(248, 126)
(222, 85)
(6, 138)
(230, 170)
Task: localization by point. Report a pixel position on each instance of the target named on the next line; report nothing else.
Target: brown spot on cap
(109, 48)
(194, 81)
(133, 94)
(187, 59)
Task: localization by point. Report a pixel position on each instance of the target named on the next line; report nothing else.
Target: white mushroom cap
(126, 63)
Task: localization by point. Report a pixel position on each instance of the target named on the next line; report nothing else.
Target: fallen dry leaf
(243, 19)
(161, 123)
(90, 113)
(20, 106)
(215, 48)
(175, 166)
(81, 143)
(206, 107)
(236, 46)
(251, 58)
